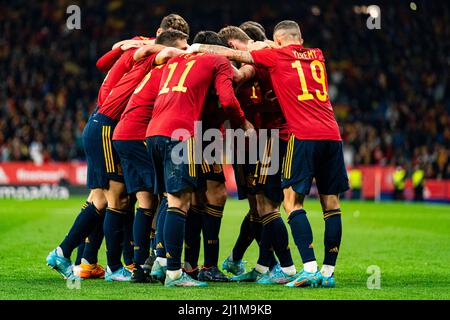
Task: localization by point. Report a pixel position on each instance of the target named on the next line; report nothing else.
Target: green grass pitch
(410, 243)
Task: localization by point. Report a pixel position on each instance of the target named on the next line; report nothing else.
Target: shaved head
(287, 32)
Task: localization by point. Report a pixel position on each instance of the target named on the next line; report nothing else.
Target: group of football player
(152, 195)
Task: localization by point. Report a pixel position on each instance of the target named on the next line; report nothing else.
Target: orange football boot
(130, 267)
(91, 271)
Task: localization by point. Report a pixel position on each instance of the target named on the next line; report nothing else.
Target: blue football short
(319, 159)
(136, 165)
(103, 163)
(172, 173)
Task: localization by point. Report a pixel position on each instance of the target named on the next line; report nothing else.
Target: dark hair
(253, 32)
(253, 24)
(174, 21)
(169, 37)
(208, 37)
(233, 32)
(289, 25)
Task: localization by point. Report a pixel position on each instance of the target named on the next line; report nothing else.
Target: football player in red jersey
(98, 131)
(92, 213)
(314, 148)
(89, 222)
(266, 187)
(129, 142)
(184, 86)
(171, 21)
(208, 202)
(103, 168)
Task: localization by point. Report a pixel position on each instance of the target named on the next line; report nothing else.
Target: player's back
(138, 112)
(185, 83)
(300, 82)
(120, 67)
(116, 101)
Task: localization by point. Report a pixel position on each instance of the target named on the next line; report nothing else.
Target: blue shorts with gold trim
(246, 177)
(136, 164)
(212, 172)
(319, 159)
(176, 174)
(268, 170)
(103, 163)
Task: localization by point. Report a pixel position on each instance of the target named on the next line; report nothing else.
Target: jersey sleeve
(223, 84)
(148, 62)
(125, 61)
(108, 59)
(128, 58)
(266, 58)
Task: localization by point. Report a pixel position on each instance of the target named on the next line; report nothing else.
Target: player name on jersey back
(300, 82)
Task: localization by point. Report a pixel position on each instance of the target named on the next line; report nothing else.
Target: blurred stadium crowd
(389, 87)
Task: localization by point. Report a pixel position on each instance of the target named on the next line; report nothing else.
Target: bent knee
(145, 200)
(97, 197)
(217, 195)
(120, 202)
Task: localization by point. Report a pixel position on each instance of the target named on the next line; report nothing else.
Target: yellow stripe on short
(289, 156)
(264, 164)
(105, 148)
(285, 161)
(269, 155)
(205, 167)
(113, 166)
(191, 150)
(255, 175)
(189, 155)
(193, 157)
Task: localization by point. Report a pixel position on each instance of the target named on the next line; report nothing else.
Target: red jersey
(271, 116)
(122, 66)
(117, 99)
(108, 59)
(138, 112)
(250, 98)
(300, 82)
(185, 83)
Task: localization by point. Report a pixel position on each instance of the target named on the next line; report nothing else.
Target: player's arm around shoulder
(147, 50)
(166, 54)
(236, 55)
(136, 41)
